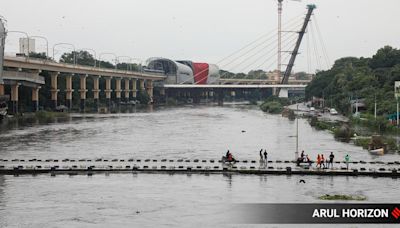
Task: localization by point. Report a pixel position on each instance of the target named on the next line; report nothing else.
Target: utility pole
(2, 44)
(297, 134)
(397, 100)
(375, 107)
(279, 39)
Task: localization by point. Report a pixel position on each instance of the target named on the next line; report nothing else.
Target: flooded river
(153, 200)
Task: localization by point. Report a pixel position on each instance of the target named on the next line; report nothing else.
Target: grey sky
(206, 30)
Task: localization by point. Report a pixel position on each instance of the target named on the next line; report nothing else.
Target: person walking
(322, 161)
(347, 160)
(265, 156)
(331, 157)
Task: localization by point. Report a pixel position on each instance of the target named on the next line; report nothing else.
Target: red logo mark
(396, 213)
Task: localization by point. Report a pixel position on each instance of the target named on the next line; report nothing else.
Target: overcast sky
(206, 30)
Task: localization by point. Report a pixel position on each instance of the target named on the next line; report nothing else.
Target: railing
(82, 67)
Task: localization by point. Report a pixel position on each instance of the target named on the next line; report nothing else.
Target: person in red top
(318, 161)
(322, 160)
(230, 158)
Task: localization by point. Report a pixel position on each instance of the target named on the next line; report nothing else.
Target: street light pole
(27, 37)
(108, 53)
(141, 63)
(73, 46)
(297, 133)
(375, 107)
(47, 44)
(127, 65)
(95, 54)
(397, 100)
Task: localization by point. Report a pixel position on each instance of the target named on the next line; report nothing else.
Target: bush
(343, 133)
(272, 107)
(292, 115)
(321, 125)
(380, 124)
(46, 117)
(392, 143)
(342, 197)
(143, 97)
(363, 142)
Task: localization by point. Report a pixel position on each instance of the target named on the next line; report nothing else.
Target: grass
(343, 197)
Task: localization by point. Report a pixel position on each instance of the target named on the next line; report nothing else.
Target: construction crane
(280, 9)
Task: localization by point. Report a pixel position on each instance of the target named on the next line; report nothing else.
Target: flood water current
(178, 200)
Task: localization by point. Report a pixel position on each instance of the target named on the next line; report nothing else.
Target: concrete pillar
(14, 98)
(83, 92)
(284, 93)
(149, 89)
(141, 85)
(35, 98)
(68, 91)
(126, 90)
(196, 96)
(108, 91)
(54, 89)
(118, 90)
(1, 89)
(220, 97)
(96, 92)
(134, 89)
(274, 91)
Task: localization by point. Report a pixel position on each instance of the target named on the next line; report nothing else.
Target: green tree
(386, 57)
(367, 78)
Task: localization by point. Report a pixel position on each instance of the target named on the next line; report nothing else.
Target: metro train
(183, 71)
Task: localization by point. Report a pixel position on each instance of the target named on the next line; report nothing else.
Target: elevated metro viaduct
(22, 71)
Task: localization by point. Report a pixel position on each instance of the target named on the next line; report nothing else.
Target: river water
(153, 200)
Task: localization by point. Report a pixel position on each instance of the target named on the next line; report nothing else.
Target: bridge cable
(287, 39)
(275, 61)
(237, 52)
(268, 55)
(309, 64)
(316, 53)
(252, 49)
(319, 34)
(268, 34)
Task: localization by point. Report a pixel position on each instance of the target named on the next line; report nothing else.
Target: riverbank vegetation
(274, 105)
(370, 80)
(343, 197)
(41, 117)
(354, 78)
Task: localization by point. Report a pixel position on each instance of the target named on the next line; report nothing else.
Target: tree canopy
(356, 78)
(86, 59)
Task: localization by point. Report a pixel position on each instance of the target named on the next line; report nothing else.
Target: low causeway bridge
(209, 166)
